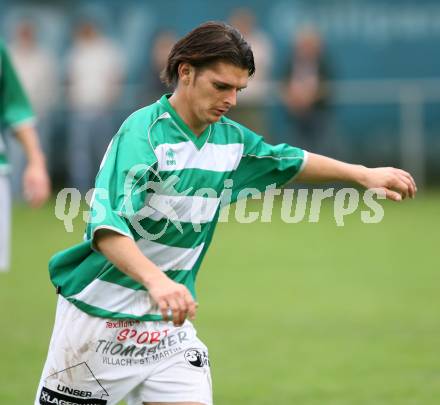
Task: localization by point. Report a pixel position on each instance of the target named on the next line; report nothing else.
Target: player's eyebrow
(228, 85)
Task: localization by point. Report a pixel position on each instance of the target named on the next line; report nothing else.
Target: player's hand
(173, 299)
(36, 184)
(396, 183)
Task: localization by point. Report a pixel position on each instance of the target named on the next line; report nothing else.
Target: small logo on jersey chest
(170, 157)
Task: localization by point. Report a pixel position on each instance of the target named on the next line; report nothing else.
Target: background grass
(306, 313)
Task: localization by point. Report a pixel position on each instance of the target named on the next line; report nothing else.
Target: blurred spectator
(251, 110)
(162, 44)
(306, 91)
(94, 73)
(37, 68)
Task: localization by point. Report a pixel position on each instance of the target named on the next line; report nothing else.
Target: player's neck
(181, 105)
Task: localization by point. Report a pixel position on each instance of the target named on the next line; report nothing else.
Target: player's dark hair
(209, 43)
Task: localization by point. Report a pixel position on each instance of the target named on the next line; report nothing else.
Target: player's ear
(185, 71)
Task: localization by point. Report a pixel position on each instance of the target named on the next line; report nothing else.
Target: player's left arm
(396, 183)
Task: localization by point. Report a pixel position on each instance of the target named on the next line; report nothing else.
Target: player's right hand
(36, 184)
(174, 300)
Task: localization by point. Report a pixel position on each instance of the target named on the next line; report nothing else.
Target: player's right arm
(16, 113)
(123, 252)
(121, 190)
(36, 183)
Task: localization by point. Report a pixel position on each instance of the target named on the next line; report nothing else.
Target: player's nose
(231, 99)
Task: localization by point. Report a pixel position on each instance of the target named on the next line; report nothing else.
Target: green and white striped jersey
(163, 186)
(15, 109)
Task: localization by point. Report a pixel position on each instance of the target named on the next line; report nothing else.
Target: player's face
(213, 91)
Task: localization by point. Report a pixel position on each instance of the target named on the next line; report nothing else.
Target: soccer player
(16, 113)
(127, 292)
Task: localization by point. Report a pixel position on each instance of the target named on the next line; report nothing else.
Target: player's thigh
(83, 364)
(183, 378)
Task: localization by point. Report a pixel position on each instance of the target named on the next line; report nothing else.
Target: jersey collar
(198, 141)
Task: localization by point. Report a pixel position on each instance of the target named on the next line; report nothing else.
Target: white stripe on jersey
(217, 158)
(170, 257)
(191, 209)
(116, 298)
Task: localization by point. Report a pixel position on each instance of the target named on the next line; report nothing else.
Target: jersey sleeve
(15, 108)
(121, 184)
(263, 164)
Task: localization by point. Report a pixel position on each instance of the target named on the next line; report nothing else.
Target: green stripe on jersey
(113, 275)
(194, 181)
(102, 313)
(117, 277)
(159, 179)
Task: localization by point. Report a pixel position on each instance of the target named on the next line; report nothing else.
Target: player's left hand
(396, 183)
(36, 184)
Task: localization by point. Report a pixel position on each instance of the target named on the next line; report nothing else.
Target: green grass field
(306, 313)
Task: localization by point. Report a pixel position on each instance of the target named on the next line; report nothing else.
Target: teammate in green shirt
(127, 293)
(16, 114)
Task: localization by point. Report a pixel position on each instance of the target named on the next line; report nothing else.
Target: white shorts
(98, 361)
(5, 222)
